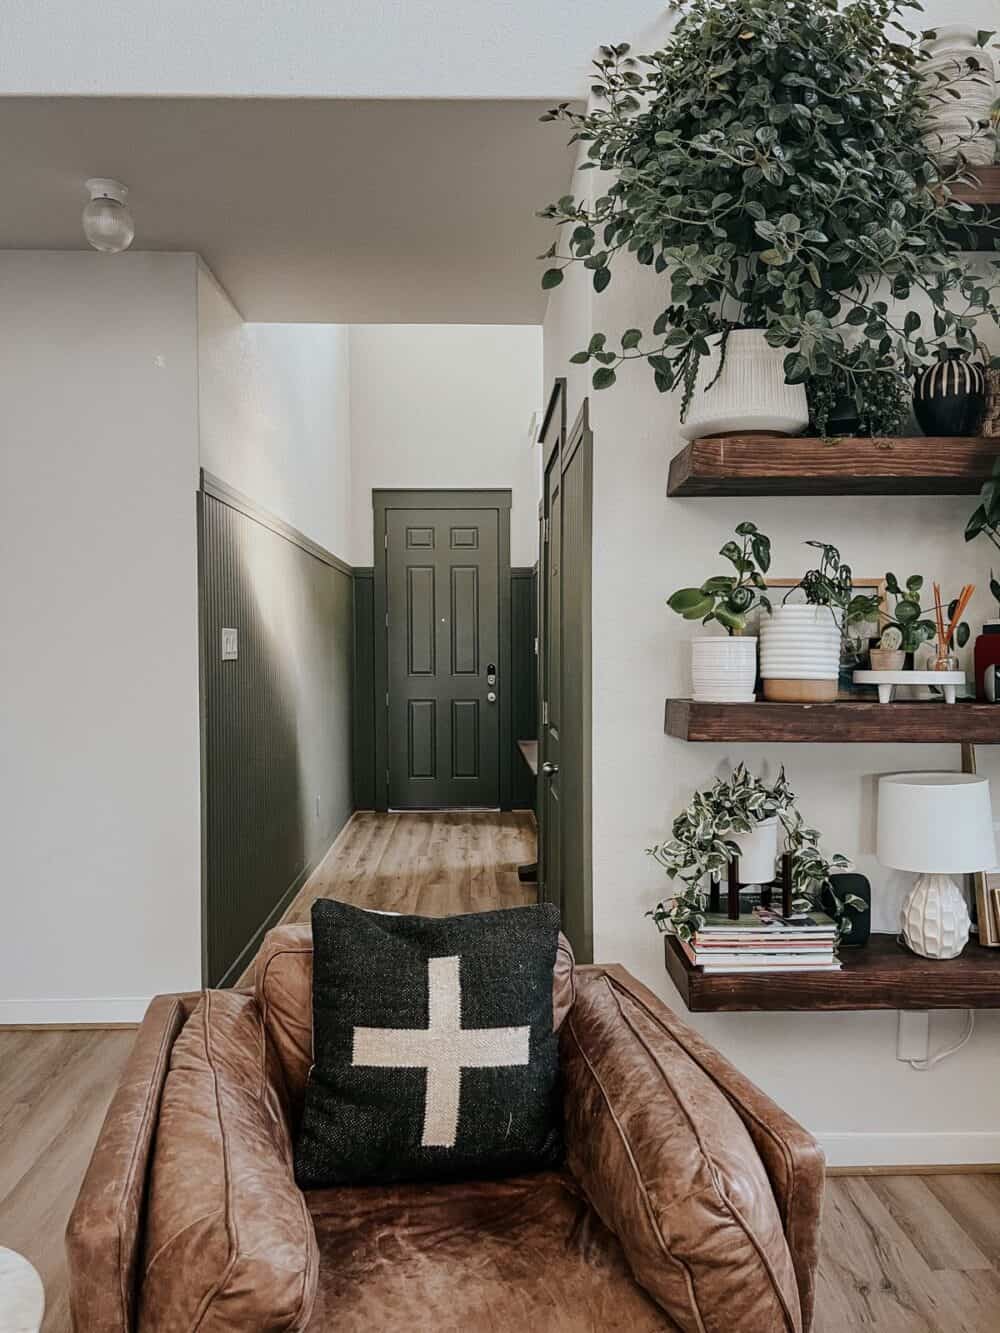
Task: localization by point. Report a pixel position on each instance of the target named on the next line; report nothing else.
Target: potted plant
(767, 165)
(849, 402)
(905, 628)
(713, 829)
(724, 670)
(801, 642)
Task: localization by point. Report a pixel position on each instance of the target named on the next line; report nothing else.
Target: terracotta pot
(887, 659)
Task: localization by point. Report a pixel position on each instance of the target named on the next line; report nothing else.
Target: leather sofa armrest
(656, 1051)
(103, 1237)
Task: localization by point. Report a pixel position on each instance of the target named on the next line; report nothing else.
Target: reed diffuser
(947, 636)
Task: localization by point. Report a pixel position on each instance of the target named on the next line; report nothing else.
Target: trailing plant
(882, 401)
(907, 617)
(729, 598)
(702, 846)
(768, 163)
(832, 585)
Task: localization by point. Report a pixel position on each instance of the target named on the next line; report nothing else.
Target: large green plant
(767, 161)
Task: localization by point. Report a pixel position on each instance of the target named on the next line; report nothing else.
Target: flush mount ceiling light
(107, 222)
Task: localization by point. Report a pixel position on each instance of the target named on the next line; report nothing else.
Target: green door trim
(411, 498)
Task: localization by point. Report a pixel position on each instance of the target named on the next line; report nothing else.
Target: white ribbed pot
(750, 396)
(947, 128)
(724, 670)
(758, 852)
(800, 649)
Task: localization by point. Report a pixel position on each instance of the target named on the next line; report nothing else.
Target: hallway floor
(900, 1254)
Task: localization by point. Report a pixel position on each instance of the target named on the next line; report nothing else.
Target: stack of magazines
(763, 941)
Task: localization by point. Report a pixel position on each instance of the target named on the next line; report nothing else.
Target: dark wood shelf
(986, 192)
(759, 465)
(859, 723)
(882, 975)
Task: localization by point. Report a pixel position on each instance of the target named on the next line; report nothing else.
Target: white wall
(274, 402)
(99, 785)
(836, 1072)
(438, 405)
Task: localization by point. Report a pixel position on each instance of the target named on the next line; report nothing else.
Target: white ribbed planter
(800, 654)
(724, 670)
(947, 128)
(750, 395)
(758, 852)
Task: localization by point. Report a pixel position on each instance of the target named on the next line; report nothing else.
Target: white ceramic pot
(750, 395)
(800, 648)
(758, 852)
(947, 129)
(724, 669)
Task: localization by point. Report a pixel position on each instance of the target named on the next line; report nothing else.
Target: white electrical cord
(932, 1060)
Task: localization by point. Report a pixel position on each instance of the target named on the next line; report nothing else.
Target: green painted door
(564, 798)
(443, 644)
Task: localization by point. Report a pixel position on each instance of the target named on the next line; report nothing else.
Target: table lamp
(939, 825)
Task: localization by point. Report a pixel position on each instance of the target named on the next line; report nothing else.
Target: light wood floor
(900, 1254)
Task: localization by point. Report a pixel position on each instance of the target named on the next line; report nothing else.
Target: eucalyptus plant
(701, 846)
(729, 598)
(767, 162)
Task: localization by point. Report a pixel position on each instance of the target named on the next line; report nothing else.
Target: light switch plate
(230, 645)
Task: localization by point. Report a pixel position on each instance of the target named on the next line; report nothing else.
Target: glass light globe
(107, 222)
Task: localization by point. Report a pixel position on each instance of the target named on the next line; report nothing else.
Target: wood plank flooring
(900, 1254)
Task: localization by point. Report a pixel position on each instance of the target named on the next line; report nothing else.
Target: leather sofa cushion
(282, 979)
(669, 1166)
(526, 1253)
(229, 1244)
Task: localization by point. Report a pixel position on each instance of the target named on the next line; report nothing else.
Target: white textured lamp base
(935, 918)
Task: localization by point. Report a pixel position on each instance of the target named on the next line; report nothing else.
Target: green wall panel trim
(276, 721)
(364, 689)
(524, 686)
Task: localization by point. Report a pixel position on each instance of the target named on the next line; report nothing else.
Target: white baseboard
(947, 1149)
(93, 1011)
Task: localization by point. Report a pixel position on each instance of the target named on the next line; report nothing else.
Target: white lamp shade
(935, 823)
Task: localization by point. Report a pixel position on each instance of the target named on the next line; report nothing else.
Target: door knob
(549, 769)
(491, 697)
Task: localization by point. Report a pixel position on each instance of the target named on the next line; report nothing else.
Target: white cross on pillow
(444, 1048)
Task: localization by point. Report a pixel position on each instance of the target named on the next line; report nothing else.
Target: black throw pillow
(434, 1056)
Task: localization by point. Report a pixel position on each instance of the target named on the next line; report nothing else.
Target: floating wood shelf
(986, 193)
(860, 722)
(882, 975)
(759, 465)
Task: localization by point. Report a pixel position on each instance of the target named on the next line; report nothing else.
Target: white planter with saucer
(724, 669)
(750, 396)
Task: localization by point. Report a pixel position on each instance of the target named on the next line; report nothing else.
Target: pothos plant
(729, 598)
(768, 164)
(985, 518)
(702, 845)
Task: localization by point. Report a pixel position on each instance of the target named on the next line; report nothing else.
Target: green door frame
(382, 502)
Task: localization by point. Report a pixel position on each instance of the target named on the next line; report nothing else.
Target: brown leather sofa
(689, 1200)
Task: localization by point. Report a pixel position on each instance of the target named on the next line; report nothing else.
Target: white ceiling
(306, 210)
(310, 48)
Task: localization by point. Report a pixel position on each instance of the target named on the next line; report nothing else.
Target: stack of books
(764, 941)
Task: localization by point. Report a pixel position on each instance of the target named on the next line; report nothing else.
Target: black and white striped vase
(949, 397)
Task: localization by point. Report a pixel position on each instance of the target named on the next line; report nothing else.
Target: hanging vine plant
(767, 164)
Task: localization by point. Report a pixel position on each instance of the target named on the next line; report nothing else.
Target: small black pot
(949, 397)
(844, 418)
(859, 923)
